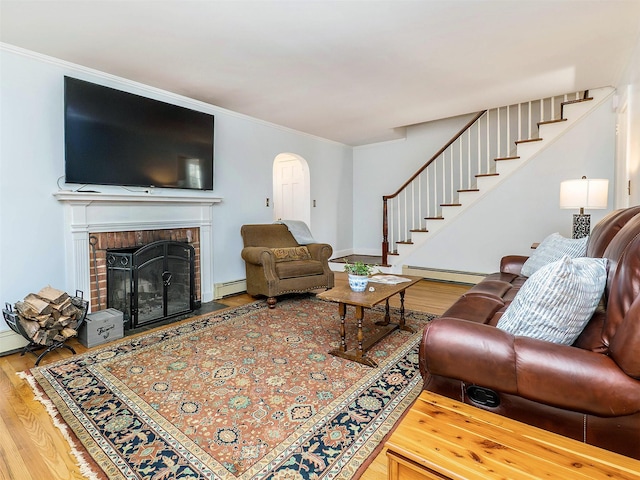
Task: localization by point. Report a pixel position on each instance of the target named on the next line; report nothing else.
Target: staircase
(493, 145)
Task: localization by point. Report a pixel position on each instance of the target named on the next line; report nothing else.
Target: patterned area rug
(245, 393)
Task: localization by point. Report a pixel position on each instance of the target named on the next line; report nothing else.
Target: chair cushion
(298, 268)
(289, 254)
(557, 301)
(553, 248)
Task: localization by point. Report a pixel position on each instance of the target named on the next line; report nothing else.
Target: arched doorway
(291, 190)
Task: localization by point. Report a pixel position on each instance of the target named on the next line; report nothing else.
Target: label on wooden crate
(101, 327)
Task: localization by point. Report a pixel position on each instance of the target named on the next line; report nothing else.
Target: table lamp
(585, 193)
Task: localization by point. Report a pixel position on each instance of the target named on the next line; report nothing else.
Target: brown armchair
(276, 264)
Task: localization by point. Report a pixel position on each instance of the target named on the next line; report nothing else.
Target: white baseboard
(10, 341)
(229, 288)
(470, 278)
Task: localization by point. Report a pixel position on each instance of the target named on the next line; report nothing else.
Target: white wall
(32, 160)
(522, 210)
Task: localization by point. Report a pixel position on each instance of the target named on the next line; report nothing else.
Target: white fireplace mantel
(87, 212)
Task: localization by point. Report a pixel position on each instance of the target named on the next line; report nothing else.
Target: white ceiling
(351, 71)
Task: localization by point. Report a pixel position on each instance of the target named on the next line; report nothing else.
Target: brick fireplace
(113, 220)
(100, 242)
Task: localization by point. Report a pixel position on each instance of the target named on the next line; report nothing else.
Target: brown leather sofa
(589, 391)
(277, 265)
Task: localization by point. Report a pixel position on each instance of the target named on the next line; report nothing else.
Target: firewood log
(41, 338)
(29, 326)
(26, 310)
(68, 332)
(47, 322)
(70, 310)
(37, 304)
(62, 305)
(53, 295)
(48, 316)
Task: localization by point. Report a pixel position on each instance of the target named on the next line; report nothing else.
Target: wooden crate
(101, 327)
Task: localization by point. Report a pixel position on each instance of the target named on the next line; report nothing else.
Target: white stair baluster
(468, 184)
(479, 149)
(508, 131)
(519, 136)
(488, 141)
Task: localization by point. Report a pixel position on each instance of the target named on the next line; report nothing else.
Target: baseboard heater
(453, 276)
(11, 342)
(225, 289)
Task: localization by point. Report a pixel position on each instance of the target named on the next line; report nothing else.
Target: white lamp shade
(584, 193)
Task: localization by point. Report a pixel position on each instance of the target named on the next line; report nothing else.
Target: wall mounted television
(119, 138)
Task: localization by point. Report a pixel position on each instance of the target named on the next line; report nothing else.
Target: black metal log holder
(11, 317)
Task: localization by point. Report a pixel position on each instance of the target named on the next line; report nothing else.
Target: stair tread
(548, 122)
(469, 190)
(528, 140)
(404, 242)
(434, 218)
(423, 230)
(487, 175)
(515, 157)
(579, 100)
(570, 102)
(450, 204)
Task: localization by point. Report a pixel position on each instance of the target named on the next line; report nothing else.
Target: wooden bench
(440, 438)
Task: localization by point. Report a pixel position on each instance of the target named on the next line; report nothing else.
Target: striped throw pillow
(553, 248)
(557, 301)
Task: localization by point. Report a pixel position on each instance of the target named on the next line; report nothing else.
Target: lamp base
(581, 225)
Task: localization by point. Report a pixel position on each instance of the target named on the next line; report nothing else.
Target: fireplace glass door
(151, 283)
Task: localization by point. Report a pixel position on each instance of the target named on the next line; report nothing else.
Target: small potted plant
(359, 275)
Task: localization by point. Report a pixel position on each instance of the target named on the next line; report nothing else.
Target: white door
(291, 197)
(622, 167)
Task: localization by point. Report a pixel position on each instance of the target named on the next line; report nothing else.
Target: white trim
(115, 212)
(444, 275)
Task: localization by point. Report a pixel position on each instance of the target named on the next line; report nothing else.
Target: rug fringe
(81, 462)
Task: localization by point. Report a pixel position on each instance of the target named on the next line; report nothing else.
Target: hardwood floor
(32, 448)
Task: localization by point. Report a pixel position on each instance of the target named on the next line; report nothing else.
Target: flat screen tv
(119, 138)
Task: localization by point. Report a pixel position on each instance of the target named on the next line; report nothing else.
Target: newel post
(385, 231)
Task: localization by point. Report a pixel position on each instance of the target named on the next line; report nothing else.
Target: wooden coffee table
(344, 296)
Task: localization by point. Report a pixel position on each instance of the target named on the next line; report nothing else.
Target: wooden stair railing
(386, 198)
(490, 135)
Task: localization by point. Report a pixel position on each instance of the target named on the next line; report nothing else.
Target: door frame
(306, 187)
(622, 173)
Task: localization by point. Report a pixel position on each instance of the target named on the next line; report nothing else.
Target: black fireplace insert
(151, 283)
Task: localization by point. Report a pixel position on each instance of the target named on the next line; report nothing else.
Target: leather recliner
(589, 391)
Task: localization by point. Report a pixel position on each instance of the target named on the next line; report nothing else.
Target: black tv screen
(118, 138)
